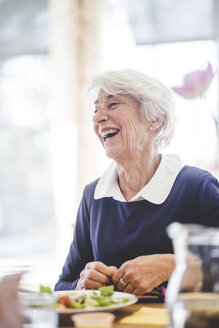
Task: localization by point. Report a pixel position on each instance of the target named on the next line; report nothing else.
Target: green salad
(100, 298)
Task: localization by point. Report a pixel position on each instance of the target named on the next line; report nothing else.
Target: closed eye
(110, 106)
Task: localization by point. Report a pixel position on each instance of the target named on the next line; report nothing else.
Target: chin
(113, 152)
(112, 155)
(109, 155)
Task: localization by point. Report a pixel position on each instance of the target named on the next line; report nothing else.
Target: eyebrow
(108, 97)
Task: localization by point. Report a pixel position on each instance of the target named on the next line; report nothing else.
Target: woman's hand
(142, 274)
(95, 275)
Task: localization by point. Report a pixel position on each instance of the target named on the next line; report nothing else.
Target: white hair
(156, 100)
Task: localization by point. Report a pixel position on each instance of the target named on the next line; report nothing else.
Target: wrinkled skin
(95, 275)
(121, 112)
(144, 273)
(141, 274)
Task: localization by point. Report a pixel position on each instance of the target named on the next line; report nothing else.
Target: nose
(100, 115)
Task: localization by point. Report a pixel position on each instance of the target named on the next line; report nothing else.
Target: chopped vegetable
(95, 299)
(106, 290)
(65, 300)
(45, 289)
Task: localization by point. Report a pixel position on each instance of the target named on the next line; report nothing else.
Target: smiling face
(120, 126)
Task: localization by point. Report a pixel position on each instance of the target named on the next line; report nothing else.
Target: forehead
(103, 97)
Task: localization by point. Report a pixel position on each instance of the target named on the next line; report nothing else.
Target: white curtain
(75, 52)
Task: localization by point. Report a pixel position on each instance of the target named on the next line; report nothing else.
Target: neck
(135, 174)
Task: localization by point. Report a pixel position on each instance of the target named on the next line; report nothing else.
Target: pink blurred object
(195, 84)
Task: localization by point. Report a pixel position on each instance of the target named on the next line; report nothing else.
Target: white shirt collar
(155, 191)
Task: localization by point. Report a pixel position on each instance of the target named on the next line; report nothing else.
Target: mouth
(107, 134)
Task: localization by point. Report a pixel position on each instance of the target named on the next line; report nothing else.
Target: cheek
(134, 135)
(95, 127)
(130, 130)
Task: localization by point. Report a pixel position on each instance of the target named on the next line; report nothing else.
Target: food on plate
(100, 298)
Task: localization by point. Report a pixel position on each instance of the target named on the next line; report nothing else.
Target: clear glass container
(39, 310)
(192, 295)
(93, 320)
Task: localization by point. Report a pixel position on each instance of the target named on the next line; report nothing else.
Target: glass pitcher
(192, 295)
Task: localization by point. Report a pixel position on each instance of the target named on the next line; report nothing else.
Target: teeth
(106, 132)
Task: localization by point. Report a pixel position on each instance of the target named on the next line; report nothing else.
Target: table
(124, 312)
(118, 313)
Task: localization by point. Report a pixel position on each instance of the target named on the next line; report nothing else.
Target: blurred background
(48, 152)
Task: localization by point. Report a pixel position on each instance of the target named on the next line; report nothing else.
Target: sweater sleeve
(80, 252)
(208, 198)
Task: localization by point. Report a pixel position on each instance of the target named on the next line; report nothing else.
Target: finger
(139, 291)
(93, 279)
(123, 283)
(86, 283)
(100, 267)
(113, 269)
(129, 288)
(117, 275)
(91, 284)
(79, 285)
(96, 276)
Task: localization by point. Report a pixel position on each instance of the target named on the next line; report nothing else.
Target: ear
(155, 125)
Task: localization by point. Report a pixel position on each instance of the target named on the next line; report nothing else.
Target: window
(26, 195)
(195, 140)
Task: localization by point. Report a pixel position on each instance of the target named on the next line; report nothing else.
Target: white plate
(116, 296)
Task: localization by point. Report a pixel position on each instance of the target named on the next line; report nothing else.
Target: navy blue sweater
(113, 232)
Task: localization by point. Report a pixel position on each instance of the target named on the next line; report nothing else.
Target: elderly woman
(120, 235)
